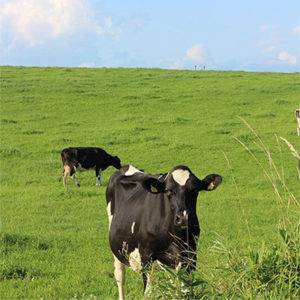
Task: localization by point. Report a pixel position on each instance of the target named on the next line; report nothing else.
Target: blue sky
(249, 35)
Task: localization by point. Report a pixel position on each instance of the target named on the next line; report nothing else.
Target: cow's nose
(178, 220)
(181, 218)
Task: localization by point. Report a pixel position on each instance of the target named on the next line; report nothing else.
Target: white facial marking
(110, 216)
(132, 227)
(135, 261)
(132, 170)
(181, 176)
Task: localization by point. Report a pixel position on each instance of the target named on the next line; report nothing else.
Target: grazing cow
(86, 158)
(153, 218)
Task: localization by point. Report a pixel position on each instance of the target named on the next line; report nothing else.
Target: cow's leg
(66, 171)
(191, 264)
(146, 270)
(75, 180)
(72, 174)
(98, 176)
(119, 273)
(147, 282)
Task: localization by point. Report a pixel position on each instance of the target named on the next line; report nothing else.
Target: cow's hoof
(78, 185)
(98, 184)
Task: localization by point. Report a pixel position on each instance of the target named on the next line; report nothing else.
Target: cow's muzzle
(181, 219)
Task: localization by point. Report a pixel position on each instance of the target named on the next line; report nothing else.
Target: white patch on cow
(135, 261)
(67, 171)
(179, 266)
(110, 216)
(181, 176)
(98, 180)
(148, 286)
(132, 227)
(132, 170)
(119, 273)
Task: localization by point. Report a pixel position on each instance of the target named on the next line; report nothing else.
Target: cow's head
(181, 187)
(116, 162)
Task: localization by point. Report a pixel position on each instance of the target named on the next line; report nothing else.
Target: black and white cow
(153, 218)
(86, 158)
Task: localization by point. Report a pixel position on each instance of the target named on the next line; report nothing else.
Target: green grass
(54, 241)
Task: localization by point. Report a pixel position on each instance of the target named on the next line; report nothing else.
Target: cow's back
(81, 154)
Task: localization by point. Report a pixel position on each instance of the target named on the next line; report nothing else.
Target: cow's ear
(211, 182)
(154, 186)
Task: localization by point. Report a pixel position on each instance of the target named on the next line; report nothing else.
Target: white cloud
(296, 30)
(33, 20)
(36, 21)
(87, 65)
(125, 27)
(196, 53)
(288, 58)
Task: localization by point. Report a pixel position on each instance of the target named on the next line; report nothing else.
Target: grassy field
(54, 241)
